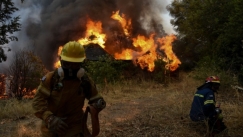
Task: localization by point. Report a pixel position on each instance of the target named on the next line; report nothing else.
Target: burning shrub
(26, 71)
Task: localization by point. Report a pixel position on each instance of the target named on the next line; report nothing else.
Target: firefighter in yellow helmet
(61, 94)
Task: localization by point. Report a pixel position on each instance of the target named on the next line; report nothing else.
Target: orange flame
(171, 57)
(93, 34)
(144, 49)
(146, 45)
(58, 63)
(124, 23)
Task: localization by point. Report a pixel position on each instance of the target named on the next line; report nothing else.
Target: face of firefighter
(215, 87)
(70, 65)
(70, 68)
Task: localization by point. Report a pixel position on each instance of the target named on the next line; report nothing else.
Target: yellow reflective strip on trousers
(208, 102)
(199, 95)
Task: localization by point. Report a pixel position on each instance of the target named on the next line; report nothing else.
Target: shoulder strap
(54, 81)
(86, 85)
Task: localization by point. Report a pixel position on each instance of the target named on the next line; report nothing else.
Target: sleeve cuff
(46, 114)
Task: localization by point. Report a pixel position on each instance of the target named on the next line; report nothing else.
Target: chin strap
(94, 120)
(80, 73)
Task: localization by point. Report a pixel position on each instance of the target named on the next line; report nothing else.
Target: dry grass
(138, 108)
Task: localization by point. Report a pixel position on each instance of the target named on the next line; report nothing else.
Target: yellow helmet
(73, 52)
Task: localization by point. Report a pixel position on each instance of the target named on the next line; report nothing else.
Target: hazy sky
(39, 18)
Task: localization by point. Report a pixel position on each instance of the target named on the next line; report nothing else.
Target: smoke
(48, 24)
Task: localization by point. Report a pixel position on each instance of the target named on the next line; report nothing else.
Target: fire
(173, 61)
(144, 51)
(58, 63)
(126, 54)
(147, 54)
(140, 57)
(93, 34)
(124, 23)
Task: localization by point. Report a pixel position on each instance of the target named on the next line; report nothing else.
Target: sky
(45, 23)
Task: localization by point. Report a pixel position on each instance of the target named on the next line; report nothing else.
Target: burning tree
(26, 71)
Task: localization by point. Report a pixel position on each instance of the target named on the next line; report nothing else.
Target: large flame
(93, 34)
(173, 61)
(126, 24)
(58, 63)
(144, 51)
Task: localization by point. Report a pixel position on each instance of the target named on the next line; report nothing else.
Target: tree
(2, 84)
(26, 71)
(8, 25)
(210, 28)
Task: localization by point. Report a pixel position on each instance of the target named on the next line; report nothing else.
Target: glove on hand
(99, 104)
(220, 116)
(56, 124)
(219, 113)
(218, 110)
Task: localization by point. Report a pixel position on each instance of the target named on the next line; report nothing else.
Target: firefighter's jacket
(203, 105)
(63, 99)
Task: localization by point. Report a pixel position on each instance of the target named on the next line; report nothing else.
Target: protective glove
(219, 113)
(220, 116)
(56, 124)
(218, 110)
(99, 104)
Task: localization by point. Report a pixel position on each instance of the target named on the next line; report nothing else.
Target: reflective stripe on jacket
(203, 104)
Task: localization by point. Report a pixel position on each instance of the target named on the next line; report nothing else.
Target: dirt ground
(127, 114)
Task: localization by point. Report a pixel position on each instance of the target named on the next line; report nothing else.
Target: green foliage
(106, 69)
(159, 73)
(210, 67)
(209, 28)
(8, 25)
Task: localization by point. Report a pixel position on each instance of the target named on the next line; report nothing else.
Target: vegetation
(209, 28)
(25, 71)
(106, 69)
(137, 108)
(8, 25)
(141, 103)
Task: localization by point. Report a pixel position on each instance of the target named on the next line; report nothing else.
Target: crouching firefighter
(60, 97)
(203, 106)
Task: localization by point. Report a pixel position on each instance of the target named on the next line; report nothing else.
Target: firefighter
(203, 106)
(60, 97)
